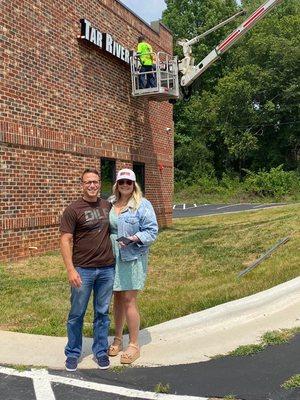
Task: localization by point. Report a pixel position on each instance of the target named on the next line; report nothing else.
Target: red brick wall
(65, 103)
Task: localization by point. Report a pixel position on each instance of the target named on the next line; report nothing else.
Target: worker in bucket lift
(146, 57)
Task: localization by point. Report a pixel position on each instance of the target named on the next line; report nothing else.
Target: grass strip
(271, 338)
(193, 266)
(292, 383)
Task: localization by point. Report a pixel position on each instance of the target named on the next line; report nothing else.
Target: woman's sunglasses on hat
(125, 181)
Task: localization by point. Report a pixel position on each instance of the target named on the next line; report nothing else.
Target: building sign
(104, 41)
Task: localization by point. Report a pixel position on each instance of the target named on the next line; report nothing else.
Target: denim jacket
(142, 223)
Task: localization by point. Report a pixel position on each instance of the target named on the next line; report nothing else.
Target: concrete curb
(241, 309)
(192, 338)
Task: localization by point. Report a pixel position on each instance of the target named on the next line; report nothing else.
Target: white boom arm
(186, 66)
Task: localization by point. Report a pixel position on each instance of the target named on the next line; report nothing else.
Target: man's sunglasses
(125, 181)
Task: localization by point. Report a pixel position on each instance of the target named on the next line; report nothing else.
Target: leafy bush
(275, 183)
(207, 184)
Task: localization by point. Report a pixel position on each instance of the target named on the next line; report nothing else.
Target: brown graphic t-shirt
(89, 224)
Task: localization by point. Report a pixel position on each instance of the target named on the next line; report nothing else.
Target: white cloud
(148, 10)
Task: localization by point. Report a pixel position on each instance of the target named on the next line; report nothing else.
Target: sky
(148, 10)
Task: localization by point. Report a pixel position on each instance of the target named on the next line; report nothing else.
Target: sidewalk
(193, 338)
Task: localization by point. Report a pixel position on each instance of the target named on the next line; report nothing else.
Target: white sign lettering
(103, 40)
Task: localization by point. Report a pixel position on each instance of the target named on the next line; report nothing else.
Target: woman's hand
(133, 238)
(122, 244)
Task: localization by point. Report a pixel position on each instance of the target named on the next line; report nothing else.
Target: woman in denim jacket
(133, 229)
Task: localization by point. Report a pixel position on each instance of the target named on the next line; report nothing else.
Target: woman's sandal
(128, 358)
(115, 348)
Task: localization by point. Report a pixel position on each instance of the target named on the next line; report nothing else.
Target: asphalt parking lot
(194, 210)
(257, 377)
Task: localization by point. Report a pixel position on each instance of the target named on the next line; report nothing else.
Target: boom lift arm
(166, 67)
(186, 66)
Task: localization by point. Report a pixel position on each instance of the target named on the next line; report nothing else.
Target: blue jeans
(100, 280)
(147, 80)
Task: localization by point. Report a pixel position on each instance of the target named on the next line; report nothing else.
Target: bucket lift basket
(165, 72)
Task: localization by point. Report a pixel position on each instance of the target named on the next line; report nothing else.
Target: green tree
(245, 110)
(190, 18)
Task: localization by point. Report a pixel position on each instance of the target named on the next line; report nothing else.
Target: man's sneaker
(103, 361)
(71, 364)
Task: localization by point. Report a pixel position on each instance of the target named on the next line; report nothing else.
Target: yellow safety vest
(144, 51)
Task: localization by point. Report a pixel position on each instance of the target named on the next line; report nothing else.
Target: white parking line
(184, 206)
(42, 385)
(230, 205)
(46, 378)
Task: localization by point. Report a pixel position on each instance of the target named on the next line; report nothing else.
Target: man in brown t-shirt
(87, 253)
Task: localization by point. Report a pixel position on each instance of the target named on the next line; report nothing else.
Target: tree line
(243, 115)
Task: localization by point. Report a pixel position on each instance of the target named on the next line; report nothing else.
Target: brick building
(66, 105)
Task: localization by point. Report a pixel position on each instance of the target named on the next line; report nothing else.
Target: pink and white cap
(126, 173)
